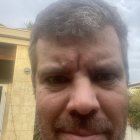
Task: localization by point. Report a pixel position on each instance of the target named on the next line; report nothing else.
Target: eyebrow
(97, 68)
(47, 70)
(106, 67)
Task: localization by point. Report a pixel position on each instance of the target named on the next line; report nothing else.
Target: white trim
(2, 106)
(134, 84)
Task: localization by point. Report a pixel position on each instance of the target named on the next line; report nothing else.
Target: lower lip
(68, 136)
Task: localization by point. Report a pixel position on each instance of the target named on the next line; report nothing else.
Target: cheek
(115, 105)
(50, 105)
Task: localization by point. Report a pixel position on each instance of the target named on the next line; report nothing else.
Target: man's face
(81, 90)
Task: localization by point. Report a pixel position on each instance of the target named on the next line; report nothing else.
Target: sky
(16, 13)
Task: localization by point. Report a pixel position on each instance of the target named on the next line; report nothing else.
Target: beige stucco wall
(20, 105)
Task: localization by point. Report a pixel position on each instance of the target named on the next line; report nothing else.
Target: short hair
(77, 19)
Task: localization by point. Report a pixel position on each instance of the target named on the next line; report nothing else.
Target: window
(6, 71)
(7, 59)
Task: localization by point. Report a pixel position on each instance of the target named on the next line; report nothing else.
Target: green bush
(134, 111)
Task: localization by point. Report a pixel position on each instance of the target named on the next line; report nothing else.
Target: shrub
(134, 109)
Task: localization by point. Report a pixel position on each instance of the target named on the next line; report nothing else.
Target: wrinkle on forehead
(82, 52)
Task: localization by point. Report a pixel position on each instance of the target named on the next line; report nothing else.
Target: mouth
(82, 135)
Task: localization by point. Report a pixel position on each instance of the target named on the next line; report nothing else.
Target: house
(17, 103)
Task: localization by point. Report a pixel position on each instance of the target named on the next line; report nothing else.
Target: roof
(134, 84)
(14, 36)
(14, 33)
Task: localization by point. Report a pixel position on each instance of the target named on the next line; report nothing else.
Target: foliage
(2, 25)
(134, 110)
(36, 131)
(29, 25)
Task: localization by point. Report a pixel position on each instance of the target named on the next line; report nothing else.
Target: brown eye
(105, 77)
(56, 80)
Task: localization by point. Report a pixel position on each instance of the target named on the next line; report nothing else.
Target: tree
(29, 25)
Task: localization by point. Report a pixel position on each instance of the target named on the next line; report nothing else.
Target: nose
(83, 98)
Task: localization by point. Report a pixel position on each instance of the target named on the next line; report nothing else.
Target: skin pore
(81, 88)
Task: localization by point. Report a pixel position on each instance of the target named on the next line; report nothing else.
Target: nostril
(83, 101)
(83, 106)
(78, 115)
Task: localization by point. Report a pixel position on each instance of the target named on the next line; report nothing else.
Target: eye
(106, 77)
(56, 80)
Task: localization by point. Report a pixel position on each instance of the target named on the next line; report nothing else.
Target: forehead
(105, 48)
